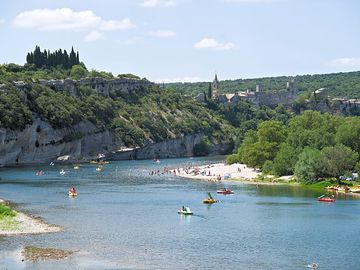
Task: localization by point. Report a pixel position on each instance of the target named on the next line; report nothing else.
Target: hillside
(344, 84)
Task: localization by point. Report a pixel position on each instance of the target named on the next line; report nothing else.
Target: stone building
(258, 97)
(215, 88)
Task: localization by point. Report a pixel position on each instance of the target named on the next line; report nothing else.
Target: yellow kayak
(209, 201)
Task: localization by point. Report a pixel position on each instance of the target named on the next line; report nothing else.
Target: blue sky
(189, 40)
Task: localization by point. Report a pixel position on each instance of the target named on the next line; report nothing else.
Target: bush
(231, 159)
(5, 211)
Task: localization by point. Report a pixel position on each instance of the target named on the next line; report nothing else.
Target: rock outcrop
(41, 143)
(101, 86)
(171, 148)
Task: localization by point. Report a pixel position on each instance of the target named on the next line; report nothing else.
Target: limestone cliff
(171, 148)
(41, 143)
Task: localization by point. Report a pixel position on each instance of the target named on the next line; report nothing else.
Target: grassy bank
(7, 218)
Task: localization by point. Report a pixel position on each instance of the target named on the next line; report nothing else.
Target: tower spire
(215, 87)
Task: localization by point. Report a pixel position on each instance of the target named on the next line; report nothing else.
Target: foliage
(53, 59)
(263, 144)
(348, 133)
(338, 160)
(5, 211)
(14, 113)
(285, 160)
(77, 72)
(128, 76)
(312, 145)
(308, 167)
(231, 159)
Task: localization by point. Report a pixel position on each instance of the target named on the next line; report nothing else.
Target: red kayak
(326, 199)
(225, 191)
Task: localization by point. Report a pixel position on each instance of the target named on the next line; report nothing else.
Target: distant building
(215, 88)
(256, 96)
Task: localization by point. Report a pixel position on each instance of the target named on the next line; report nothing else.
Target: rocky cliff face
(172, 148)
(40, 143)
(102, 86)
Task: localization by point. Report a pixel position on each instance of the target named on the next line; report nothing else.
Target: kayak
(185, 211)
(225, 191)
(209, 201)
(72, 194)
(326, 199)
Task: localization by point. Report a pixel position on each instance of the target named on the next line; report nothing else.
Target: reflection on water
(123, 218)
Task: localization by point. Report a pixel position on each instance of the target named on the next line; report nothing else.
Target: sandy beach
(26, 224)
(220, 171)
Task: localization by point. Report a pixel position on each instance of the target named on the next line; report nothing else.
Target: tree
(77, 72)
(338, 160)
(285, 160)
(271, 131)
(308, 167)
(348, 133)
(209, 91)
(311, 129)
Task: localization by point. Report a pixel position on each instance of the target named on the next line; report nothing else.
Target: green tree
(285, 160)
(78, 72)
(308, 168)
(209, 91)
(348, 133)
(338, 160)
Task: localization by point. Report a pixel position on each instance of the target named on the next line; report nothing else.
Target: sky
(189, 40)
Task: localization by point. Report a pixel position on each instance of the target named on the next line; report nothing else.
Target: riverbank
(241, 173)
(220, 171)
(23, 223)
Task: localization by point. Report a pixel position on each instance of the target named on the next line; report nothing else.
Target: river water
(123, 218)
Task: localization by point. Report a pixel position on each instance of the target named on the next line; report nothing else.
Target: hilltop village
(258, 97)
(286, 96)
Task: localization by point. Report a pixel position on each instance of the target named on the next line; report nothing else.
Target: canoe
(326, 199)
(72, 194)
(225, 191)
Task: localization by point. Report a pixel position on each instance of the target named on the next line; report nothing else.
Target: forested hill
(344, 84)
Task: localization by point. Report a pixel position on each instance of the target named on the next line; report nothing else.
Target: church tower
(215, 89)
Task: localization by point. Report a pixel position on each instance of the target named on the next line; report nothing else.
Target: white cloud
(93, 36)
(2, 21)
(157, 3)
(213, 44)
(67, 19)
(345, 63)
(116, 25)
(162, 33)
(180, 79)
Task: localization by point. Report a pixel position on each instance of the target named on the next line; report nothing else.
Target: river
(124, 218)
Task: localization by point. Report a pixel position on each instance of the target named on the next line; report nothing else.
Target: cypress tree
(66, 59)
(72, 58)
(209, 91)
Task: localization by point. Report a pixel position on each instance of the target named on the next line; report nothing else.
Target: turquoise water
(124, 218)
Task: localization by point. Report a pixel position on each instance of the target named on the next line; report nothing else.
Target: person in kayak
(72, 189)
